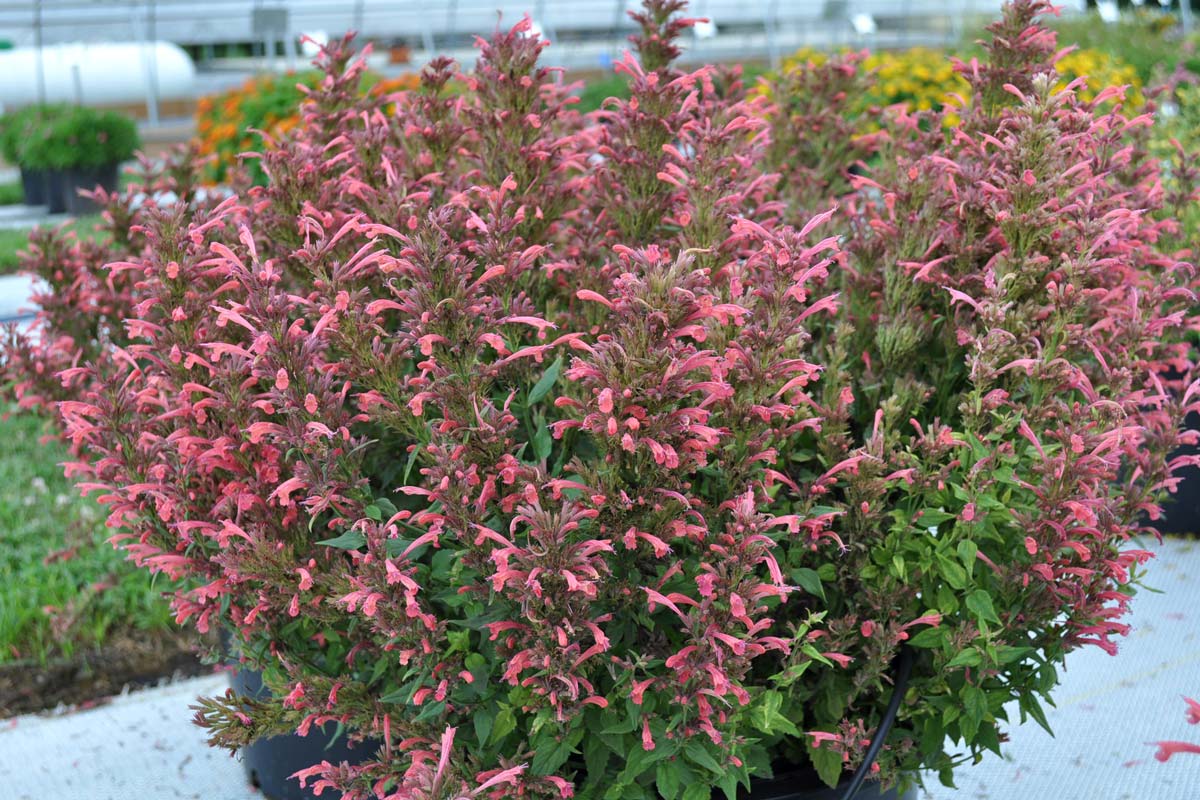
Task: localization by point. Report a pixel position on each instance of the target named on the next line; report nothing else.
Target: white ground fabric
(144, 747)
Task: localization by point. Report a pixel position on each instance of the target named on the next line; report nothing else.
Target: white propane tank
(96, 73)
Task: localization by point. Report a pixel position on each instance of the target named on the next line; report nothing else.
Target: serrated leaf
(928, 638)
(484, 719)
(430, 711)
(808, 580)
(698, 754)
(934, 516)
(506, 723)
(350, 540)
(952, 571)
(966, 658)
(625, 726)
(975, 708)
(728, 783)
(967, 552)
(596, 754)
(667, 779)
(638, 760)
(543, 443)
(1029, 705)
(397, 696)
(552, 754)
(386, 506)
(546, 382)
(1006, 654)
(979, 603)
(827, 763)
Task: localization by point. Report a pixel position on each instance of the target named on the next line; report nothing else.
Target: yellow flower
(1100, 70)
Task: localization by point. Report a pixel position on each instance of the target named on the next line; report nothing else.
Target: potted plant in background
(102, 140)
(17, 128)
(77, 148)
(559, 456)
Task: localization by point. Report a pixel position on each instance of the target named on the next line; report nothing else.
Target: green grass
(54, 606)
(1135, 40)
(11, 240)
(11, 193)
(14, 239)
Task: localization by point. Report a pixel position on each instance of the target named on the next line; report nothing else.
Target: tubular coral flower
(1168, 749)
(647, 739)
(1193, 711)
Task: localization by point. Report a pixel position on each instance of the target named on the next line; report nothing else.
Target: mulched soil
(131, 659)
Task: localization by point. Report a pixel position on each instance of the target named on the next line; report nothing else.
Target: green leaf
(979, 603)
(967, 552)
(952, 571)
(934, 516)
(698, 754)
(638, 760)
(808, 580)
(697, 791)
(484, 719)
(933, 738)
(1006, 654)
(374, 512)
(828, 764)
(386, 506)
(412, 459)
(595, 756)
(1030, 706)
(928, 638)
(506, 723)
(728, 783)
(400, 696)
(546, 382)
(543, 443)
(966, 658)
(430, 711)
(550, 755)
(350, 540)
(667, 778)
(766, 716)
(975, 709)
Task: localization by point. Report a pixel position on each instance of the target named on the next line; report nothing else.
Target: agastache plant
(567, 456)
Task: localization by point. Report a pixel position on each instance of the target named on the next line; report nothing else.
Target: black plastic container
(33, 186)
(1181, 510)
(803, 784)
(55, 182)
(86, 179)
(271, 762)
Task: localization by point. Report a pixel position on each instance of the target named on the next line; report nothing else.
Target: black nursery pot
(1181, 510)
(33, 186)
(55, 181)
(87, 178)
(803, 784)
(270, 762)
